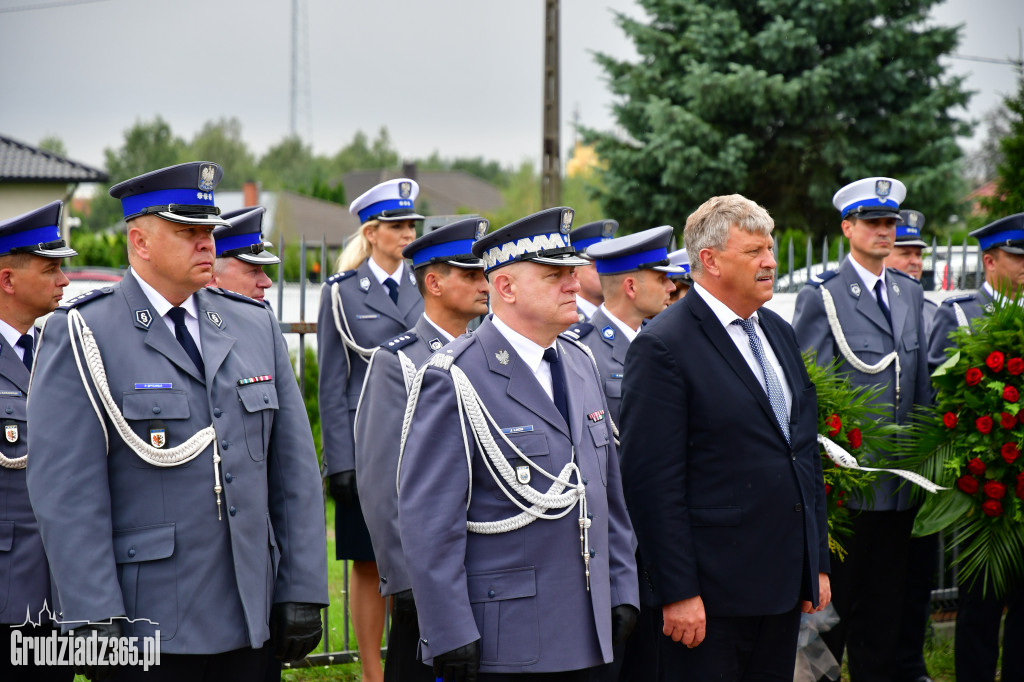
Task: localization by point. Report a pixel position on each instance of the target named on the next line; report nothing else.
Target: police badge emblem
(608, 333)
(481, 229)
(566, 225)
(215, 318)
(435, 344)
(855, 289)
(896, 288)
(412, 278)
(405, 189)
(11, 433)
(608, 229)
(364, 283)
(912, 219)
(207, 174)
(143, 317)
(523, 474)
(882, 188)
(158, 437)
(502, 356)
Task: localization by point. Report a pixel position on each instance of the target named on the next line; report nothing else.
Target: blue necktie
(392, 287)
(775, 395)
(181, 333)
(557, 383)
(26, 343)
(881, 302)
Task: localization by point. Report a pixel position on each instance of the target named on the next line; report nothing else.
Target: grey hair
(708, 226)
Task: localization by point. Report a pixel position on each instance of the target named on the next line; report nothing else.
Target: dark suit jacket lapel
(720, 340)
(867, 304)
(216, 341)
(523, 386)
(12, 367)
(158, 336)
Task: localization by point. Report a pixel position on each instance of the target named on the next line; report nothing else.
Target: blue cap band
(611, 266)
(238, 241)
(999, 239)
(37, 235)
(381, 206)
(874, 202)
(907, 231)
(581, 244)
(459, 247)
(163, 197)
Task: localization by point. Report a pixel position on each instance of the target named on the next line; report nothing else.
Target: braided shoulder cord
(961, 317)
(344, 331)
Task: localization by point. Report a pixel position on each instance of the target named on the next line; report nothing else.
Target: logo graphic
(404, 190)
(435, 344)
(502, 356)
(11, 432)
(206, 177)
(144, 318)
(364, 283)
(882, 188)
(215, 318)
(523, 474)
(608, 229)
(566, 225)
(912, 219)
(855, 289)
(481, 229)
(158, 437)
(608, 333)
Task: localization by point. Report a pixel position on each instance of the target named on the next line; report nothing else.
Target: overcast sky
(459, 76)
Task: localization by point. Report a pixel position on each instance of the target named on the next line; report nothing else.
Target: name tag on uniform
(367, 317)
(11, 393)
(142, 386)
(616, 376)
(517, 429)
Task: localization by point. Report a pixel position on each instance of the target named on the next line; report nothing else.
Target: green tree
(362, 154)
(221, 142)
(54, 145)
(290, 164)
(1009, 197)
(783, 101)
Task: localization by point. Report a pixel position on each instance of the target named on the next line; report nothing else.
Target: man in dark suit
(31, 285)
(720, 464)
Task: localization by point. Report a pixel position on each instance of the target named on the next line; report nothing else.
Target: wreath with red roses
(975, 434)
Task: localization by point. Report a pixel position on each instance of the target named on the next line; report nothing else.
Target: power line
(46, 5)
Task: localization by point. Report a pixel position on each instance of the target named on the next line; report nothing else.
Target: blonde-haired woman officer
(371, 299)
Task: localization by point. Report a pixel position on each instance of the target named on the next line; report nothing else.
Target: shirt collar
(531, 353)
(381, 275)
(12, 335)
(623, 327)
(869, 278)
(724, 313)
(448, 337)
(585, 306)
(161, 304)
(998, 296)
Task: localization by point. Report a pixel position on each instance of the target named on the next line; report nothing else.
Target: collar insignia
(896, 288)
(502, 356)
(215, 318)
(364, 283)
(435, 344)
(608, 333)
(143, 317)
(855, 289)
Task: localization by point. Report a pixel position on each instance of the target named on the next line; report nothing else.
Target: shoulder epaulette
(235, 295)
(894, 271)
(579, 330)
(818, 280)
(441, 361)
(86, 297)
(400, 341)
(340, 276)
(962, 298)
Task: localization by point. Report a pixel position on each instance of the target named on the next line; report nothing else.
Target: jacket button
(131, 552)
(384, 580)
(593, 553)
(232, 510)
(228, 477)
(590, 516)
(266, 398)
(217, 412)
(156, 409)
(224, 444)
(490, 593)
(798, 507)
(9, 409)
(586, 481)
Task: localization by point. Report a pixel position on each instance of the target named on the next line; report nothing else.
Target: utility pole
(300, 95)
(551, 165)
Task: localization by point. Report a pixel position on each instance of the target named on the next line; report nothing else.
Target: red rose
(976, 466)
(984, 424)
(995, 361)
(1010, 394)
(994, 489)
(950, 420)
(973, 376)
(1015, 366)
(834, 425)
(1010, 452)
(968, 484)
(992, 507)
(828, 488)
(1006, 420)
(853, 435)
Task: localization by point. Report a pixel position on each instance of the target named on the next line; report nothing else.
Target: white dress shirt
(162, 305)
(531, 353)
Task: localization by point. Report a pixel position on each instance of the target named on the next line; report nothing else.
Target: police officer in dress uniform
(682, 280)
(634, 273)
(242, 253)
(31, 285)
(590, 296)
(176, 486)
(451, 281)
(371, 299)
(510, 502)
(875, 318)
(978, 615)
(922, 553)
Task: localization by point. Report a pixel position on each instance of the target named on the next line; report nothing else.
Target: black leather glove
(97, 671)
(623, 622)
(343, 488)
(403, 608)
(295, 629)
(458, 665)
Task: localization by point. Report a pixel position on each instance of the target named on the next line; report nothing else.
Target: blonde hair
(357, 249)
